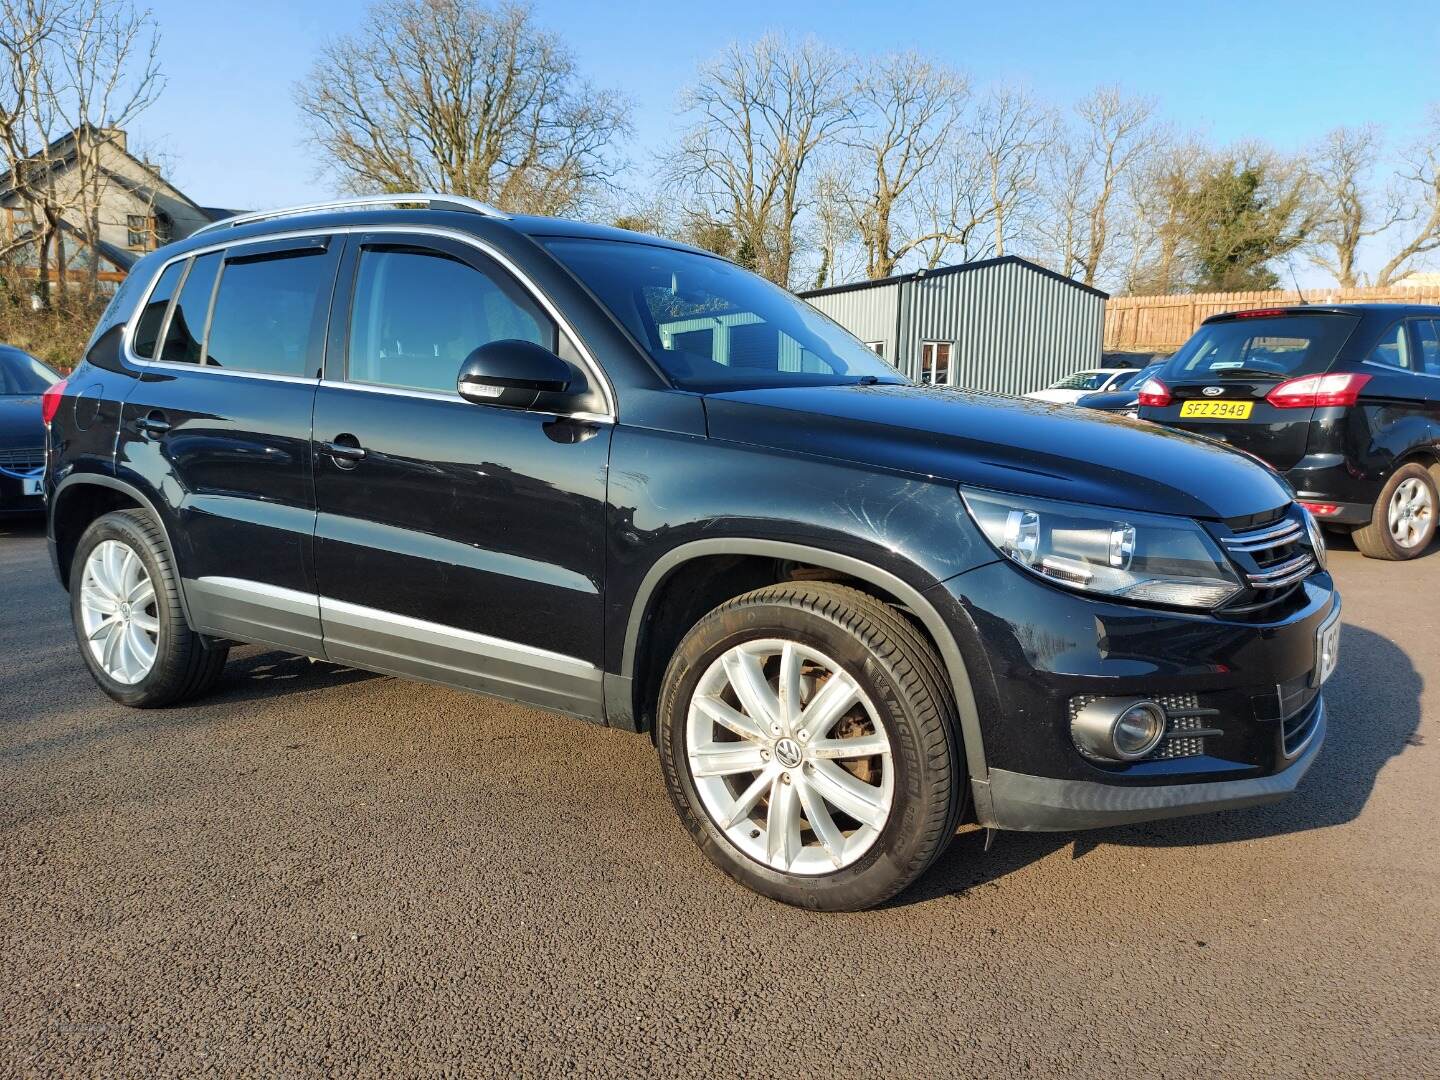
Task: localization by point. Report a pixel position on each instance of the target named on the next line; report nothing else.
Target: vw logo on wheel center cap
(788, 753)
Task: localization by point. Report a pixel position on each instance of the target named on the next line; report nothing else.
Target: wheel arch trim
(131, 491)
(971, 736)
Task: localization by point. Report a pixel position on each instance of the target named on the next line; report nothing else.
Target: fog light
(1118, 729)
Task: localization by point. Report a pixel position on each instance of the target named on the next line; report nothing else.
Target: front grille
(1278, 553)
(1296, 731)
(1187, 725)
(29, 457)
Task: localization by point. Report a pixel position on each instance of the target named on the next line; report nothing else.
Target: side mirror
(514, 373)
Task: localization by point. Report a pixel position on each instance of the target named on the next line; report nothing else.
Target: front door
(217, 427)
(456, 542)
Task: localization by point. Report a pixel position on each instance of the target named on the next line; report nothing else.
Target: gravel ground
(321, 871)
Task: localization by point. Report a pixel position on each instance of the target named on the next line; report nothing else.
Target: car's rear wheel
(1402, 524)
(125, 604)
(806, 736)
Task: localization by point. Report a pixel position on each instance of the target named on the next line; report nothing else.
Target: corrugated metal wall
(1013, 328)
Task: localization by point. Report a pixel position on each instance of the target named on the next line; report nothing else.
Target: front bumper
(1026, 803)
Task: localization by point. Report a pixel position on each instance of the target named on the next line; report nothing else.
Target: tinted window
(269, 313)
(710, 325)
(1082, 380)
(1393, 348)
(417, 315)
(1427, 338)
(148, 328)
(1261, 348)
(187, 320)
(21, 373)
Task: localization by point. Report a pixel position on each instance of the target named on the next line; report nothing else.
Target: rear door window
(1427, 346)
(270, 312)
(1276, 348)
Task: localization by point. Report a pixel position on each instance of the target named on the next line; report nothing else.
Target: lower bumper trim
(1025, 803)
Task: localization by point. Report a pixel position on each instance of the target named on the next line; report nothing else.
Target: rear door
(457, 542)
(1220, 378)
(218, 428)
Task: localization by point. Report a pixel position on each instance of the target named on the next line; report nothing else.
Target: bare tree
(1009, 136)
(1342, 166)
(1091, 166)
(909, 107)
(760, 115)
(79, 68)
(459, 97)
(1419, 178)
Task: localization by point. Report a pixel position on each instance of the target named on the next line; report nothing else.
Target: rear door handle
(345, 448)
(153, 424)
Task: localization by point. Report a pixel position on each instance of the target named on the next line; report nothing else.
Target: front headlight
(1145, 557)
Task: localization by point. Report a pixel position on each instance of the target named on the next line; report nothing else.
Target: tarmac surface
(321, 871)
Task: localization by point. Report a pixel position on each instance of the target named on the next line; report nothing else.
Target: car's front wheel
(125, 604)
(806, 737)
(1403, 523)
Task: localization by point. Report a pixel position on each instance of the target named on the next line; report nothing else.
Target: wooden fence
(1163, 323)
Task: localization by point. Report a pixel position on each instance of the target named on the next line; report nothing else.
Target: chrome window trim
(1393, 370)
(454, 398)
(592, 366)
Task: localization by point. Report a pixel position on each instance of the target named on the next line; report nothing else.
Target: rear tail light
(1321, 510)
(1317, 391)
(1155, 393)
(50, 401)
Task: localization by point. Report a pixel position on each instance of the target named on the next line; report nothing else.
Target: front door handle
(345, 449)
(153, 423)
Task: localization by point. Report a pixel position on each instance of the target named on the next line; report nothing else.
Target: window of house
(146, 232)
(935, 362)
(269, 313)
(418, 314)
(877, 347)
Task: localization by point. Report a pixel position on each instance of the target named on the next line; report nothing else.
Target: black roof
(959, 268)
(1330, 309)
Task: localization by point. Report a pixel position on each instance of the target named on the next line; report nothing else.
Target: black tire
(904, 679)
(1375, 540)
(186, 663)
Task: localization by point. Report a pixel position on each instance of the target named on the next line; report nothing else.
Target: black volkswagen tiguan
(616, 477)
(1344, 401)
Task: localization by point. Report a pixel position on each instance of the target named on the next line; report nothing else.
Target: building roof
(959, 268)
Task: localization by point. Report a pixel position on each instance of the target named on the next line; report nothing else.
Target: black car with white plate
(1343, 400)
(23, 380)
(617, 477)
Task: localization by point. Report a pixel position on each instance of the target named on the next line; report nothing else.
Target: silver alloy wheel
(118, 612)
(758, 738)
(1411, 512)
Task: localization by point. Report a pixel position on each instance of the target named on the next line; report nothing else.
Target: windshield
(710, 325)
(21, 373)
(1266, 348)
(1083, 380)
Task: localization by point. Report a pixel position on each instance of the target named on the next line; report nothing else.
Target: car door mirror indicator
(515, 374)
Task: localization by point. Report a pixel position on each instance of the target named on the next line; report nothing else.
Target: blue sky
(1285, 73)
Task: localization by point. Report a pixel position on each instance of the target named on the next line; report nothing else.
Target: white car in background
(1090, 381)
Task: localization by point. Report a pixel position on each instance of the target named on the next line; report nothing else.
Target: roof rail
(429, 199)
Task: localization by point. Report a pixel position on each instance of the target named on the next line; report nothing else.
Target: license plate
(30, 487)
(1327, 649)
(1216, 410)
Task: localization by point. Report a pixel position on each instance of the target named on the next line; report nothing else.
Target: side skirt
(394, 644)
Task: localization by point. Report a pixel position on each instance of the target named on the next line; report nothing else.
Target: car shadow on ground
(254, 673)
(1373, 706)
